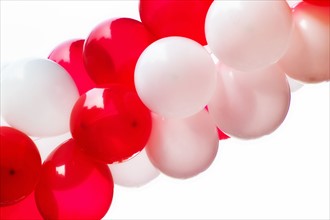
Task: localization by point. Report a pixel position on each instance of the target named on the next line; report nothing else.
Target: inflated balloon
(175, 77)
(250, 105)
(308, 56)
(183, 148)
(72, 186)
(24, 209)
(112, 49)
(319, 2)
(111, 124)
(20, 166)
(70, 56)
(37, 96)
(175, 18)
(248, 35)
(134, 172)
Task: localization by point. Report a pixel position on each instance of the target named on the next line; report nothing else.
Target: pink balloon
(183, 148)
(308, 56)
(248, 35)
(250, 105)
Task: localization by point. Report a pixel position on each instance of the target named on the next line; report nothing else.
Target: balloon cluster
(151, 96)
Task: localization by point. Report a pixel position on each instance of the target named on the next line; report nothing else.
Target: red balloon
(24, 209)
(72, 186)
(69, 56)
(113, 48)
(319, 2)
(175, 18)
(20, 166)
(111, 124)
(221, 135)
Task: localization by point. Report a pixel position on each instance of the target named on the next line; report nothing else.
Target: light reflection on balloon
(72, 186)
(111, 124)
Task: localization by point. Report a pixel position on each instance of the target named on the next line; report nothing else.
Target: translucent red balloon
(69, 55)
(319, 2)
(222, 135)
(20, 166)
(72, 186)
(113, 48)
(24, 209)
(175, 18)
(111, 124)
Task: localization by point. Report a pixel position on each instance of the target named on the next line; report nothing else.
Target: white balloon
(183, 148)
(175, 77)
(37, 96)
(134, 172)
(250, 105)
(248, 35)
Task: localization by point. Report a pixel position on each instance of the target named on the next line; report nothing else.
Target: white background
(282, 176)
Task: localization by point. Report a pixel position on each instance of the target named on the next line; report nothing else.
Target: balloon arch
(150, 96)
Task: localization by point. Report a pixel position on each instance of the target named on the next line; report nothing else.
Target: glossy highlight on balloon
(113, 48)
(69, 55)
(20, 166)
(72, 186)
(37, 96)
(111, 124)
(167, 18)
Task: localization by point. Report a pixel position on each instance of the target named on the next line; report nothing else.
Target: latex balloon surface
(69, 55)
(175, 18)
(308, 56)
(175, 77)
(24, 209)
(134, 172)
(183, 148)
(72, 186)
(20, 166)
(248, 35)
(250, 105)
(319, 2)
(112, 49)
(111, 124)
(37, 96)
